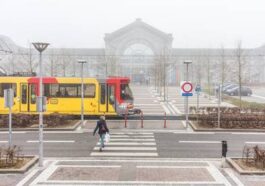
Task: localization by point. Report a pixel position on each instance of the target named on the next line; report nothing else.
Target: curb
(196, 129)
(240, 170)
(45, 129)
(23, 169)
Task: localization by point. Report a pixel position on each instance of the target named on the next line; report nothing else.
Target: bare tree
(223, 69)
(28, 58)
(240, 63)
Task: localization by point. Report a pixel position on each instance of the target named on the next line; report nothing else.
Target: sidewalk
(111, 171)
(131, 171)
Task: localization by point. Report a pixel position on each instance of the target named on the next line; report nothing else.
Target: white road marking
(123, 154)
(234, 178)
(199, 141)
(145, 104)
(74, 183)
(129, 143)
(103, 166)
(127, 136)
(28, 177)
(128, 148)
(248, 133)
(130, 139)
(125, 133)
(13, 132)
(3, 141)
(37, 141)
(255, 142)
(166, 167)
(195, 132)
(177, 111)
(165, 108)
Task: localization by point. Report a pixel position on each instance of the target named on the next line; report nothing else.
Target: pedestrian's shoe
(103, 146)
(100, 149)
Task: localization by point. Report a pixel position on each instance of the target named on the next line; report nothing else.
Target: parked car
(245, 91)
(228, 87)
(222, 87)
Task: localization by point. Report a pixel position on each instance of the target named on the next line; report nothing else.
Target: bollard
(224, 148)
(224, 152)
(125, 118)
(165, 120)
(142, 118)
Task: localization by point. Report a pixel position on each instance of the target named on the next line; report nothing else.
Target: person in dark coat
(102, 130)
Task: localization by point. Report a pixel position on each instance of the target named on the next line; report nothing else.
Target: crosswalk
(146, 100)
(128, 144)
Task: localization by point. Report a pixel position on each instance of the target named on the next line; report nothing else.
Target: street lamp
(40, 47)
(187, 63)
(82, 62)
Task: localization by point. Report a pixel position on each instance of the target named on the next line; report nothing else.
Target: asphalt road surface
(136, 143)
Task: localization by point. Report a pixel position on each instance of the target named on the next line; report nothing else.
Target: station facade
(141, 52)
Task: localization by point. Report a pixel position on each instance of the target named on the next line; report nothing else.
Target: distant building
(141, 52)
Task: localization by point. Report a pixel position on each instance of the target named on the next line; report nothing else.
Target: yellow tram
(110, 96)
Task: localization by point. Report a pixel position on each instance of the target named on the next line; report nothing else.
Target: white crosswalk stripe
(128, 145)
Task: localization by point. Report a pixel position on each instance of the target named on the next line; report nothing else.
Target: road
(173, 142)
(162, 144)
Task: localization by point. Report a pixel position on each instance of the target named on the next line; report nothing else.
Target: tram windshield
(126, 93)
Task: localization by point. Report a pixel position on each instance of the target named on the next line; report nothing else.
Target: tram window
(24, 94)
(33, 91)
(53, 90)
(102, 94)
(89, 90)
(69, 90)
(111, 94)
(4, 86)
(126, 93)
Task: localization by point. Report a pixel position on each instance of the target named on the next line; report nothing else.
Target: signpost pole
(10, 127)
(198, 101)
(187, 99)
(219, 103)
(9, 100)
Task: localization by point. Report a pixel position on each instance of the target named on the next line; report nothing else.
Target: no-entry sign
(186, 88)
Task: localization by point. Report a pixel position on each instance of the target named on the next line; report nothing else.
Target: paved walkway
(113, 171)
(131, 171)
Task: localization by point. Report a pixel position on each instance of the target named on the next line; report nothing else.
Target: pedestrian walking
(102, 130)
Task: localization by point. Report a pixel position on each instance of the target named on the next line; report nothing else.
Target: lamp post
(187, 63)
(82, 62)
(40, 47)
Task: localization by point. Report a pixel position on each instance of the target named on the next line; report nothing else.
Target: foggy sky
(83, 23)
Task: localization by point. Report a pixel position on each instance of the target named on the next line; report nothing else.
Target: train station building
(140, 51)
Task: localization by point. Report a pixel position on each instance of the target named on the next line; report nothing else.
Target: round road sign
(187, 87)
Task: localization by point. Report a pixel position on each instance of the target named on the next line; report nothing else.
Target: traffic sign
(198, 88)
(186, 88)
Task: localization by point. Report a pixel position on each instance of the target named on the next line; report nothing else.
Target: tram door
(24, 97)
(103, 101)
(111, 98)
(32, 97)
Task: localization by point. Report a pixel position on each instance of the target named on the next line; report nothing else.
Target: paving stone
(173, 174)
(86, 173)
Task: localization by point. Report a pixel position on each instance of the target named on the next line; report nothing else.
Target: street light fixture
(82, 62)
(187, 63)
(40, 47)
